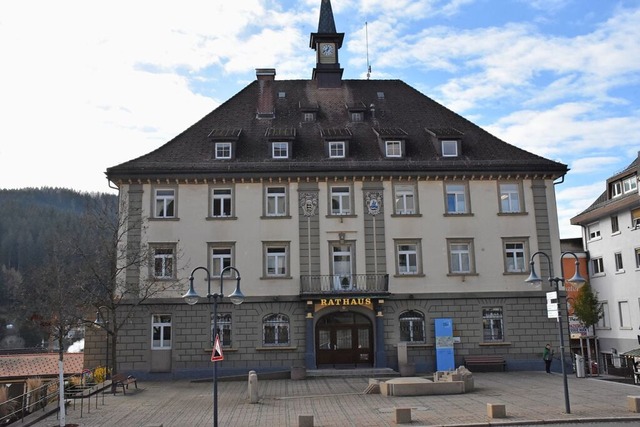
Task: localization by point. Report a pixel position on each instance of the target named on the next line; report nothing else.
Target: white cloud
(591, 164)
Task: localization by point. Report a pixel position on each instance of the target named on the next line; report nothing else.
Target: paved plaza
(527, 396)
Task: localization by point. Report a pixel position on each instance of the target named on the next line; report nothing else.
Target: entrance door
(344, 339)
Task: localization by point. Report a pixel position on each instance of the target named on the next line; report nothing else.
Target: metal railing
(344, 284)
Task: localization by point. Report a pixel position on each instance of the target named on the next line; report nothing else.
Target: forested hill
(31, 220)
(28, 216)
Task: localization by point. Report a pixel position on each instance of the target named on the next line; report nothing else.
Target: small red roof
(43, 365)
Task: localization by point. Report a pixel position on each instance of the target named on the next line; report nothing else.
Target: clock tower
(326, 42)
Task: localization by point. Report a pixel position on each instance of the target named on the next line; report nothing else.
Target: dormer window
(224, 142)
(309, 117)
(624, 186)
(280, 150)
(223, 150)
(446, 141)
(356, 116)
(393, 148)
(336, 149)
(282, 95)
(449, 148)
(391, 142)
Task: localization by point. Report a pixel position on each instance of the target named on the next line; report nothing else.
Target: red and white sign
(217, 350)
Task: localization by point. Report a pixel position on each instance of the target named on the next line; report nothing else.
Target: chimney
(266, 105)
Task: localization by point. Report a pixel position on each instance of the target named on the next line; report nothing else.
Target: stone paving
(528, 396)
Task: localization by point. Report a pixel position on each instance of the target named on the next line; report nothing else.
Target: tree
(589, 311)
(106, 257)
(586, 306)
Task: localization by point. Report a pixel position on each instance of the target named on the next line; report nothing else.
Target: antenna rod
(366, 33)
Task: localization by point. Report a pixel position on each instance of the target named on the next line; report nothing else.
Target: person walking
(547, 356)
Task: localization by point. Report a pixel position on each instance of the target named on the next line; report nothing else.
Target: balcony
(354, 284)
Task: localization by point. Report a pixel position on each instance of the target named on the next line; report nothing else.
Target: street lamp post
(191, 297)
(555, 283)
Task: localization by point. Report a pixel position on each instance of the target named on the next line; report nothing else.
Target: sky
(86, 85)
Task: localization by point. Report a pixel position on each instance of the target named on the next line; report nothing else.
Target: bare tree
(108, 260)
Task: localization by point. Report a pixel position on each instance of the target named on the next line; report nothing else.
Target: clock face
(327, 49)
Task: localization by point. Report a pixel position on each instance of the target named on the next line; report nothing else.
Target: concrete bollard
(633, 403)
(253, 387)
(403, 415)
(305, 420)
(496, 411)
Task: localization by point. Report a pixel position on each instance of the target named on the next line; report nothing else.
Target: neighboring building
(357, 211)
(611, 236)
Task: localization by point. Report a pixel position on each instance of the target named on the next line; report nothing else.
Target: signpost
(552, 305)
(217, 355)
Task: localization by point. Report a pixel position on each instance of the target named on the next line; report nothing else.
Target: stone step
(352, 372)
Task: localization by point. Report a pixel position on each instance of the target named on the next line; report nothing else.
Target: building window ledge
(277, 348)
(494, 344)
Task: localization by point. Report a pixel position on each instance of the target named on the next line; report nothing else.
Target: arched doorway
(344, 339)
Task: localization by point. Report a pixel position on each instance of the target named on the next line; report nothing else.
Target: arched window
(275, 329)
(412, 326)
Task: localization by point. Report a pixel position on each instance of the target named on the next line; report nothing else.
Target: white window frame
(280, 150)
(160, 323)
(408, 257)
(222, 198)
(220, 257)
(617, 257)
(343, 201)
(357, 116)
(593, 232)
(225, 329)
(604, 323)
(276, 256)
(460, 253)
(223, 150)
(597, 266)
(616, 189)
(337, 149)
(393, 148)
(492, 324)
(624, 315)
(412, 326)
(164, 261)
(164, 202)
(275, 200)
(615, 224)
(406, 202)
(460, 198)
(280, 323)
(510, 197)
(515, 256)
(309, 117)
(449, 148)
(630, 184)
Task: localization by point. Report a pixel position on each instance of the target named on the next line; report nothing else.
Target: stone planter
(408, 370)
(298, 373)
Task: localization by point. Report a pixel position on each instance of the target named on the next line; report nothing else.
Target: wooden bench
(122, 381)
(485, 362)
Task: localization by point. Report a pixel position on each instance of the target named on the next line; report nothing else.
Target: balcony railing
(344, 284)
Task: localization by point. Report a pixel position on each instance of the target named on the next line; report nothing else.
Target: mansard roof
(410, 114)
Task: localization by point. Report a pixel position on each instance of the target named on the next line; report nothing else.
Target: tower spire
(326, 23)
(326, 42)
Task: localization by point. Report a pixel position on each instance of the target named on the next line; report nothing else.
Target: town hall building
(359, 214)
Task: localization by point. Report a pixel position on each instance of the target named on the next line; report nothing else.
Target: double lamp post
(191, 297)
(555, 283)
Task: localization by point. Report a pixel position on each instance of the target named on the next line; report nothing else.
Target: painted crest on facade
(309, 203)
(374, 202)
